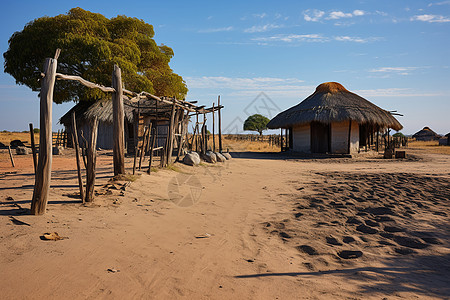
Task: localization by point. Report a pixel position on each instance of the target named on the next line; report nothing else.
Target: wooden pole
(77, 154)
(118, 123)
(143, 146)
(213, 128)
(184, 125)
(91, 161)
(170, 135)
(152, 145)
(11, 157)
(33, 147)
(136, 138)
(378, 138)
(43, 172)
(349, 136)
(220, 125)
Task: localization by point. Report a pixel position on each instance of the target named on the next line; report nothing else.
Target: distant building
(426, 134)
(333, 120)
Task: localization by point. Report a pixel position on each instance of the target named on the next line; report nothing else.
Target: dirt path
(233, 231)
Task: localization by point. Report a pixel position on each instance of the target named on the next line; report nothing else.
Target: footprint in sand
(350, 254)
(366, 229)
(333, 241)
(410, 242)
(393, 229)
(348, 239)
(307, 249)
(404, 251)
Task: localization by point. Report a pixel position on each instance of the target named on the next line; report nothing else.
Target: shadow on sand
(426, 275)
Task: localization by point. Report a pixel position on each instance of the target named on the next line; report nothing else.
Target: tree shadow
(425, 275)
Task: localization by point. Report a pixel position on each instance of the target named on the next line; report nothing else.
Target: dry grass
(7, 137)
(430, 146)
(254, 146)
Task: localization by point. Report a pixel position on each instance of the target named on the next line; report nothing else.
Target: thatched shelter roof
(331, 102)
(103, 110)
(426, 134)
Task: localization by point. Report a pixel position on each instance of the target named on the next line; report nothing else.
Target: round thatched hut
(426, 134)
(333, 120)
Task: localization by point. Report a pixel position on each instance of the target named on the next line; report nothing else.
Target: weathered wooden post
(213, 128)
(349, 141)
(118, 123)
(91, 161)
(43, 172)
(220, 125)
(33, 147)
(144, 138)
(77, 154)
(184, 125)
(11, 157)
(152, 146)
(169, 142)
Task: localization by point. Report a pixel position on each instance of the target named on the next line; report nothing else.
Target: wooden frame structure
(177, 127)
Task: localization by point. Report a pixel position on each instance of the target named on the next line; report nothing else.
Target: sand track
(257, 227)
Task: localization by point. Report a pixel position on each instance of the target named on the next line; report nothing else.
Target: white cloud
(243, 84)
(289, 38)
(261, 16)
(313, 15)
(334, 15)
(262, 28)
(356, 39)
(358, 12)
(395, 92)
(430, 18)
(212, 30)
(439, 3)
(292, 38)
(393, 69)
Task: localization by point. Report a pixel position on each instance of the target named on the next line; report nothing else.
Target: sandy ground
(260, 226)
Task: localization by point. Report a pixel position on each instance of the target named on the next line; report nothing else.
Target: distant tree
(398, 134)
(36, 130)
(256, 122)
(90, 46)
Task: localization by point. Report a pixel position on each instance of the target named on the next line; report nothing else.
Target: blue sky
(266, 56)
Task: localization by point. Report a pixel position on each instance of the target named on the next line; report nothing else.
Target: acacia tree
(91, 44)
(256, 122)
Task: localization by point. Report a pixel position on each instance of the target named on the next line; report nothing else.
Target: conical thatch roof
(426, 134)
(331, 102)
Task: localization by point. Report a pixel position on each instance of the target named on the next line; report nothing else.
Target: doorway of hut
(320, 137)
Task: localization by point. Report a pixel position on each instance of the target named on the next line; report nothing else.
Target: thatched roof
(331, 102)
(426, 133)
(103, 110)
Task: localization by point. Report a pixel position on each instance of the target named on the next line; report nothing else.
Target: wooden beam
(118, 123)
(349, 136)
(152, 146)
(213, 129)
(142, 152)
(77, 154)
(11, 157)
(220, 125)
(86, 83)
(91, 161)
(33, 147)
(43, 172)
(169, 143)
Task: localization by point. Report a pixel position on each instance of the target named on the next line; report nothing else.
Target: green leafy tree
(256, 122)
(90, 46)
